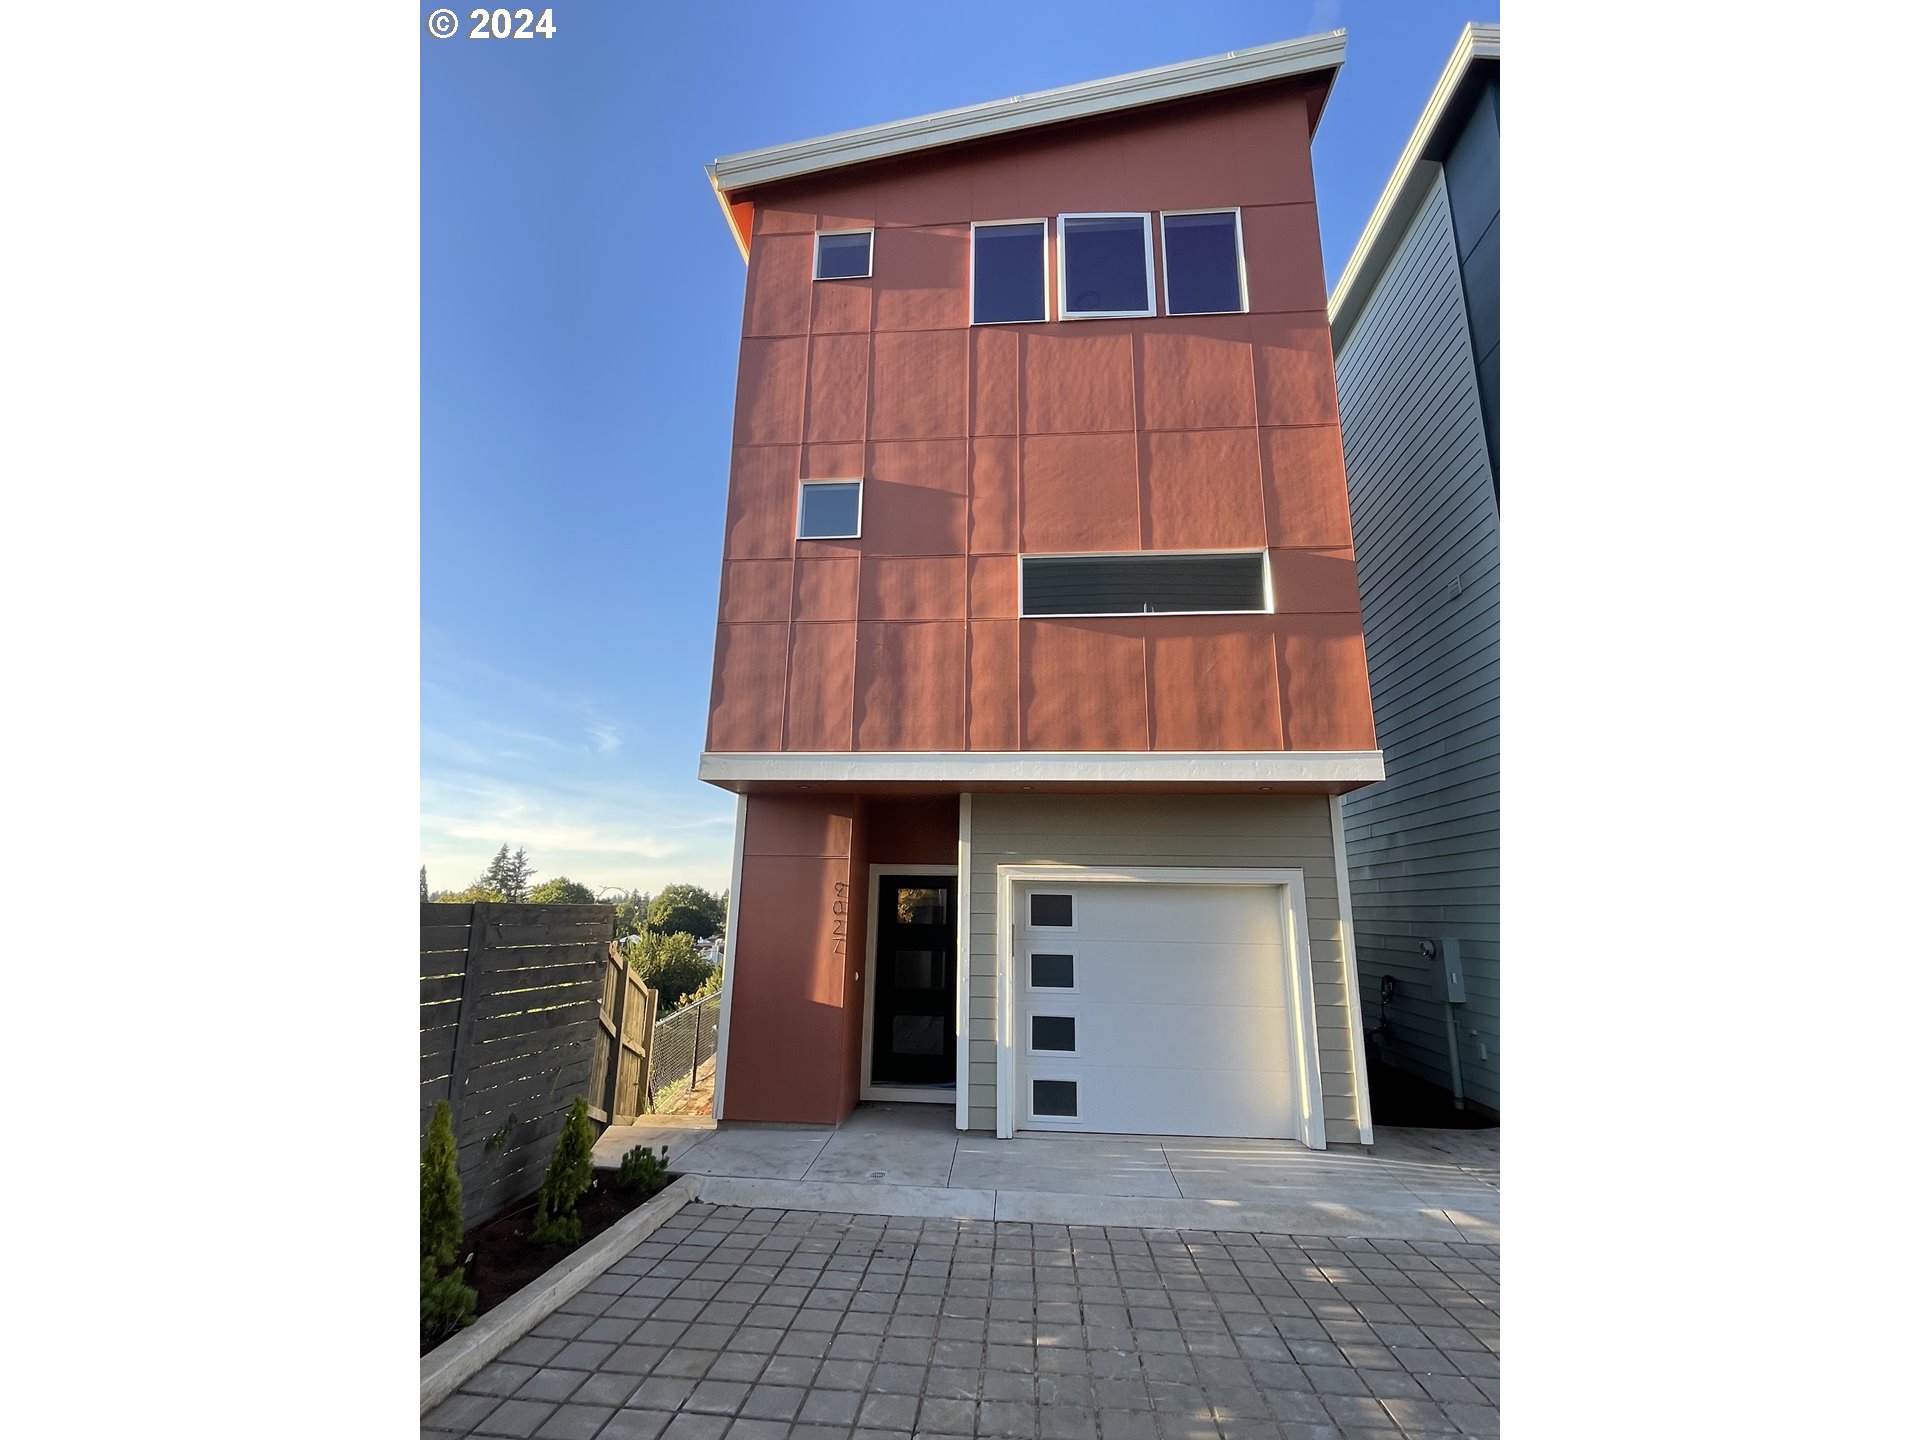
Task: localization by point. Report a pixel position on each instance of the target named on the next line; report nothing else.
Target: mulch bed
(505, 1262)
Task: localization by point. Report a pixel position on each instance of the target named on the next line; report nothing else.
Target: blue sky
(580, 304)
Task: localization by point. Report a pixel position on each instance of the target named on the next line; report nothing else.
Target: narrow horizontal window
(1203, 263)
(1106, 266)
(1053, 911)
(829, 510)
(1009, 272)
(1050, 972)
(1056, 1097)
(843, 255)
(1053, 1032)
(1147, 584)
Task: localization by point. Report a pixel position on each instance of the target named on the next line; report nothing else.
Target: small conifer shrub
(446, 1300)
(640, 1168)
(556, 1219)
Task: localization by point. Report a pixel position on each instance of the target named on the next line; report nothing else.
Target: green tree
(560, 891)
(630, 915)
(670, 964)
(475, 894)
(511, 874)
(687, 910)
(423, 882)
(446, 1300)
(556, 1219)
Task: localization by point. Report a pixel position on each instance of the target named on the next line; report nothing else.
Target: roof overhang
(1394, 211)
(732, 174)
(924, 772)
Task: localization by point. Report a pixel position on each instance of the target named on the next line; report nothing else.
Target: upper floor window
(829, 510)
(1205, 275)
(1009, 271)
(843, 254)
(1106, 266)
(1146, 583)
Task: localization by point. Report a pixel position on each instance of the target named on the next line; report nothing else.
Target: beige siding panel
(1259, 831)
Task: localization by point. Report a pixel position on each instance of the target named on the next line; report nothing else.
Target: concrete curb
(444, 1369)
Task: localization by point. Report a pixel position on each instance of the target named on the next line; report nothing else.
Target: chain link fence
(683, 1048)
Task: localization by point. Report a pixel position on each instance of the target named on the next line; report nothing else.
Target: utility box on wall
(1449, 976)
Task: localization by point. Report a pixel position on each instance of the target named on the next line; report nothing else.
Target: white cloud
(1325, 16)
(605, 737)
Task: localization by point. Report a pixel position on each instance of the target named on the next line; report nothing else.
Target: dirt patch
(506, 1262)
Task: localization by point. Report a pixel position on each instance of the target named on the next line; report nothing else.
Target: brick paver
(731, 1324)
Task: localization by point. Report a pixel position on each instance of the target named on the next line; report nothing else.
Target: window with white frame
(1202, 253)
(829, 510)
(1009, 271)
(843, 255)
(1106, 266)
(1152, 583)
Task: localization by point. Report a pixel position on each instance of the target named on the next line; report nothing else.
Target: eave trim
(731, 769)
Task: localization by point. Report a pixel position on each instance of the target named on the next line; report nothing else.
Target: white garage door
(1152, 1009)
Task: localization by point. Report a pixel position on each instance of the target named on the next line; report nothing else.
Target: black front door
(913, 981)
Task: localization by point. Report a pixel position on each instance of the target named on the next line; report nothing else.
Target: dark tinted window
(844, 257)
(1142, 584)
(1051, 909)
(1052, 972)
(1056, 1097)
(830, 510)
(1053, 1032)
(1203, 263)
(1009, 273)
(1106, 265)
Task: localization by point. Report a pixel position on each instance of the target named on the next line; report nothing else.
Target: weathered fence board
(524, 1008)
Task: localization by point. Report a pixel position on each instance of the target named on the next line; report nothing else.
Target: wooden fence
(523, 1008)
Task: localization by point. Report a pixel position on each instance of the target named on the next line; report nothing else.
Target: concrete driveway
(909, 1160)
(764, 1324)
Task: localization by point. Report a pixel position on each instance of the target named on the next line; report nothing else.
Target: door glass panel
(918, 1034)
(1052, 972)
(922, 905)
(1053, 1032)
(1054, 910)
(1056, 1097)
(916, 970)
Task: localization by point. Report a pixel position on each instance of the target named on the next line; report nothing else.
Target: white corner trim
(1309, 1097)
(1023, 112)
(1350, 972)
(1397, 201)
(730, 960)
(963, 964)
(739, 768)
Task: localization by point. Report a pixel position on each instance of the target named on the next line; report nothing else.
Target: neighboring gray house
(1416, 336)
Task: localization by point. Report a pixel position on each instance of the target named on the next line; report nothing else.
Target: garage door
(1152, 1009)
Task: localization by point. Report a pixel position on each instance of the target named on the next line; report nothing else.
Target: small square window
(1203, 263)
(1056, 1097)
(829, 510)
(1009, 272)
(1053, 1032)
(1052, 911)
(1106, 266)
(843, 255)
(1050, 972)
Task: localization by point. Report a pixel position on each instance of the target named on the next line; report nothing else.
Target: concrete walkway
(908, 1160)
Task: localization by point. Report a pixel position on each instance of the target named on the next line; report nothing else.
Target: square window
(1204, 273)
(843, 255)
(1056, 1097)
(1106, 266)
(1053, 1032)
(1009, 272)
(829, 510)
(1050, 972)
(1052, 911)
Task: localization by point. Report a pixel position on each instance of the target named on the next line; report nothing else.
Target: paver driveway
(794, 1325)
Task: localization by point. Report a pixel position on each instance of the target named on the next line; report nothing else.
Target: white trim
(910, 1094)
(728, 769)
(1145, 217)
(963, 958)
(730, 961)
(1239, 257)
(1395, 208)
(1350, 971)
(859, 504)
(1251, 66)
(1020, 580)
(1309, 1104)
(1046, 270)
(819, 235)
